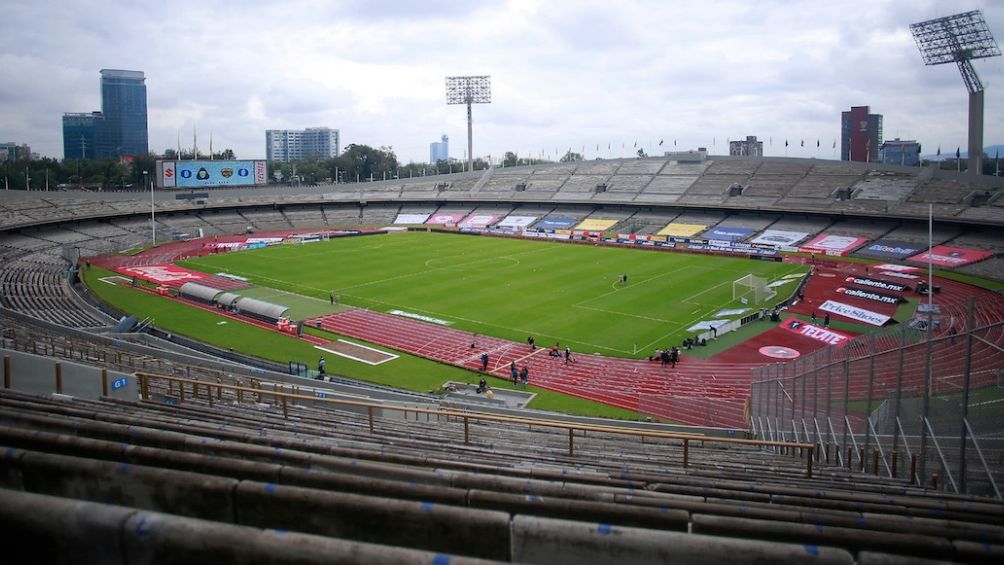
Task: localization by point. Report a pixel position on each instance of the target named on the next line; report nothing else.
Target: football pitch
(509, 288)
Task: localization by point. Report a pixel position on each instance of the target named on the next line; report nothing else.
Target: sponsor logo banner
(163, 274)
(478, 221)
(899, 275)
(268, 240)
(778, 352)
(780, 237)
(682, 230)
(556, 223)
(516, 221)
(727, 233)
(411, 218)
(854, 313)
(168, 174)
(444, 219)
(877, 284)
(825, 335)
(422, 317)
(832, 244)
(945, 256)
(260, 172)
(889, 249)
(895, 267)
(870, 295)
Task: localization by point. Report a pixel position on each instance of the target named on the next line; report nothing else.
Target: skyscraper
(123, 103)
(860, 135)
(293, 145)
(120, 128)
(439, 150)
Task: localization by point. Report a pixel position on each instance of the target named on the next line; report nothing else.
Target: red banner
(945, 256)
(824, 335)
(168, 274)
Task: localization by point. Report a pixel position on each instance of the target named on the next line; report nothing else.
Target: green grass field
(506, 287)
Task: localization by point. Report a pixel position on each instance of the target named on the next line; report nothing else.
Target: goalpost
(751, 289)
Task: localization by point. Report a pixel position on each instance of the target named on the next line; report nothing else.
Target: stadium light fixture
(959, 39)
(469, 90)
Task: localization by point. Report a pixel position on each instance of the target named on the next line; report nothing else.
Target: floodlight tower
(469, 90)
(959, 39)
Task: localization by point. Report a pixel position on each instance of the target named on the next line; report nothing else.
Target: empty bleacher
(304, 216)
(469, 487)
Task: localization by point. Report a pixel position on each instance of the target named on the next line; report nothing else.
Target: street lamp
(153, 220)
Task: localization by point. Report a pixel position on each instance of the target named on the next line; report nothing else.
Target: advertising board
(411, 219)
(832, 244)
(194, 174)
(945, 256)
(889, 249)
(727, 233)
(854, 313)
(779, 237)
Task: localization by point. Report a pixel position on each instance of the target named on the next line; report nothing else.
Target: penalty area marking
(358, 352)
(115, 280)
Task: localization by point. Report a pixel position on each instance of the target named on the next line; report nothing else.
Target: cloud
(563, 74)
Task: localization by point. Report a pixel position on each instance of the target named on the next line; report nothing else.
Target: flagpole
(930, 248)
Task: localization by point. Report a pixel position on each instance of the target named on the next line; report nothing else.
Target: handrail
(986, 468)
(944, 463)
(878, 445)
(144, 379)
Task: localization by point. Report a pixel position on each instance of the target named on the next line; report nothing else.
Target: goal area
(751, 289)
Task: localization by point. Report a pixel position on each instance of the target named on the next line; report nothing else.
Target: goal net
(751, 289)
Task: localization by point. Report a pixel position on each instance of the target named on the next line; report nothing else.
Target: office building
(439, 150)
(11, 151)
(119, 129)
(80, 134)
(294, 145)
(860, 135)
(900, 152)
(749, 147)
(123, 104)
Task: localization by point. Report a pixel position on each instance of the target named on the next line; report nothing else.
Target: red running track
(697, 392)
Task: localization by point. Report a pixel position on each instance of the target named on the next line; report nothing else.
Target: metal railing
(936, 395)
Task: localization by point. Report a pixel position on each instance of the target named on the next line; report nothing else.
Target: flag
(817, 143)
(674, 143)
(834, 143)
(803, 143)
(785, 142)
(636, 144)
(939, 150)
(772, 141)
(608, 146)
(958, 153)
(660, 142)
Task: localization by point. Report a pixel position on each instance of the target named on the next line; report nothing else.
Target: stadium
(845, 404)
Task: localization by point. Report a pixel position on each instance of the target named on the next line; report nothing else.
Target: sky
(597, 77)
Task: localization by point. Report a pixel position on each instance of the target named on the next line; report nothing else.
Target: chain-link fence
(924, 406)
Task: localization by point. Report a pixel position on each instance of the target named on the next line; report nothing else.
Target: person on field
(664, 357)
(568, 355)
(514, 372)
(674, 356)
(524, 375)
(826, 320)
(482, 385)
(484, 361)
(320, 365)
(530, 342)
(554, 351)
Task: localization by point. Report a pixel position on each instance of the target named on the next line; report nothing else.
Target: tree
(641, 154)
(570, 157)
